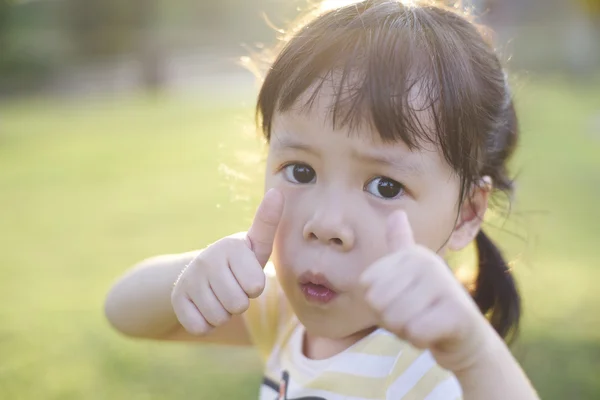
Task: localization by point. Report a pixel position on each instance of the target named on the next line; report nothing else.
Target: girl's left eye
(385, 188)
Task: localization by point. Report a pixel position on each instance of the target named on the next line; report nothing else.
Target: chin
(326, 326)
(329, 331)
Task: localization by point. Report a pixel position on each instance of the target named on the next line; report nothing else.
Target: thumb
(399, 231)
(261, 235)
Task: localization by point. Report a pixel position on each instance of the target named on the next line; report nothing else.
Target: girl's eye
(385, 188)
(299, 173)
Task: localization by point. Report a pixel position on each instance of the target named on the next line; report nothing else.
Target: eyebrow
(285, 143)
(372, 157)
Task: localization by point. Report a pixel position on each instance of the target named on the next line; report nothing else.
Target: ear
(470, 216)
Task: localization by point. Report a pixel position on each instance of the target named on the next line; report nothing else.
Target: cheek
(432, 225)
(281, 255)
(282, 243)
(289, 231)
(270, 180)
(373, 235)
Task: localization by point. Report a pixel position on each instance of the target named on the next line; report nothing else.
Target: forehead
(322, 109)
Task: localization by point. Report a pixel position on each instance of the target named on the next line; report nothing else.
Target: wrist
(494, 374)
(490, 347)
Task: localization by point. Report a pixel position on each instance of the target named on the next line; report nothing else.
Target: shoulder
(268, 314)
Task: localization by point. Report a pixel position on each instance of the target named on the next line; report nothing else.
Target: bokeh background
(126, 131)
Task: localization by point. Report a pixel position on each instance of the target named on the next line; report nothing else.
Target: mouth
(316, 288)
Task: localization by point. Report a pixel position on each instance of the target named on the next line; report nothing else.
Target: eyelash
(285, 169)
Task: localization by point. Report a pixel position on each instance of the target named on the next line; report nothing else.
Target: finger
(209, 306)
(387, 266)
(399, 231)
(383, 267)
(189, 317)
(406, 306)
(433, 324)
(229, 293)
(381, 294)
(388, 287)
(248, 272)
(261, 234)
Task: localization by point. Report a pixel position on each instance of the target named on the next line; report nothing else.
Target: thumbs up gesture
(416, 296)
(219, 282)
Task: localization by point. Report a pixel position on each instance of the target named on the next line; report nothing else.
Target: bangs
(403, 70)
(377, 71)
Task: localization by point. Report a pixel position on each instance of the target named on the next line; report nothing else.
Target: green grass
(89, 188)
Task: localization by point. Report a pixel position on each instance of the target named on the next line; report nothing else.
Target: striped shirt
(379, 366)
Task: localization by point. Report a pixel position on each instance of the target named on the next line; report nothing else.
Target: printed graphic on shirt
(281, 388)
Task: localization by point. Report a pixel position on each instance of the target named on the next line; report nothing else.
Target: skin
(383, 256)
(336, 225)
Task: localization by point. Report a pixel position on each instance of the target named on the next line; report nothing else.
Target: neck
(320, 348)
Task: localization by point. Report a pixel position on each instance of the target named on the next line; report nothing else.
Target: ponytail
(495, 289)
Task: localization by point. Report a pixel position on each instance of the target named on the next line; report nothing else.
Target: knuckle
(211, 258)
(220, 318)
(411, 333)
(194, 272)
(418, 335)
(178, 300)
(419, 343)
(255, 288)
(372, 300)
(391, 322)
(239, 305)
(198, 329)
(203, 265)
(230, 243)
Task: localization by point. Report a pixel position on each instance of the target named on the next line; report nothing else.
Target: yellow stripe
(286, 334)
(262, 318)
(427, 383)
(381, 345)
(408, 356)
(350, 385)
(286, 357)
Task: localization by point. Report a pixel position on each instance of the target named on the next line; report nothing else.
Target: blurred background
(126, 131)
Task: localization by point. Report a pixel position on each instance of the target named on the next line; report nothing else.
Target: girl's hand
(416, 296)
(219, 282)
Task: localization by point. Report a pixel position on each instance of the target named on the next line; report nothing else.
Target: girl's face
(340, 187)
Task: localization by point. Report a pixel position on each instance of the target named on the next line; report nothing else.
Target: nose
(329, 225)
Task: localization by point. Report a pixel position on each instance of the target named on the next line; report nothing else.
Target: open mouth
(316, 288)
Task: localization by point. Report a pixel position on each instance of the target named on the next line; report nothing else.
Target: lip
(316, 288)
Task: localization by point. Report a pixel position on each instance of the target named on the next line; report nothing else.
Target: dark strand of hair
(496, 290)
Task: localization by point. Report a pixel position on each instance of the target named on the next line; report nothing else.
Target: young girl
(389, 126)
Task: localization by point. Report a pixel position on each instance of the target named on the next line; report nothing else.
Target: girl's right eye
(299, 173)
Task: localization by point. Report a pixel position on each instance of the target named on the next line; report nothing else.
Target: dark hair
(382, 55)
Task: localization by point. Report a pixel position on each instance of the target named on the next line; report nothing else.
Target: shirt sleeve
(267, 315)
(416, 376)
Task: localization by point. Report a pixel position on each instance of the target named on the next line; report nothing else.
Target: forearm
(495, 375)
(139, 304)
